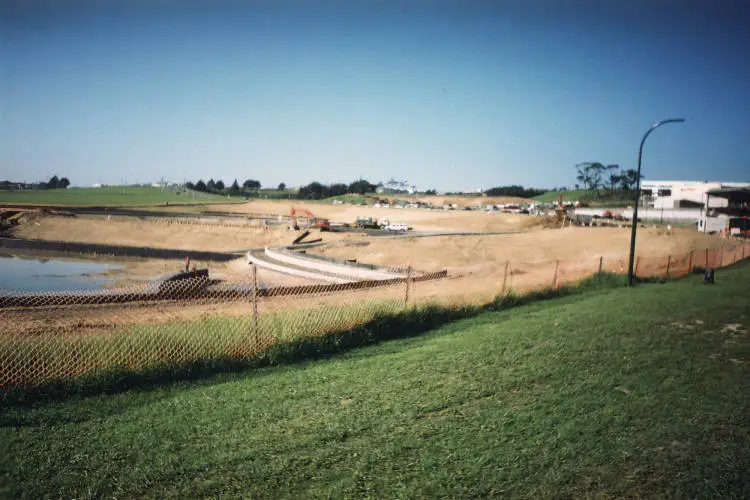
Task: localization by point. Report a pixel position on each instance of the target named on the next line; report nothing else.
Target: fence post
(554, 280)
(408, 286)
(635, 270)
(690, 262)
(601, 262)
(505, 276)
(669, 261)
(255, 303)
(721, 256)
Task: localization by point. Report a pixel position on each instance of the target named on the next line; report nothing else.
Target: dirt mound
(148, 233)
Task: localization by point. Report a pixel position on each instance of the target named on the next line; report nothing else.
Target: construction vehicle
(312, 221)
(366, 223)
(561, 211)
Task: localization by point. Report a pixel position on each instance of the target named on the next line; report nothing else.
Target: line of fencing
(64, 336)
(73, 247)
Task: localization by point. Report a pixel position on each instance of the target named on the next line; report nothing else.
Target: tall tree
(64, 183)
(610, 173)
(629, 178)
(251, 184)
(219, 185)
(590, 175)
(235, 187)
(53, 182)
(282, 186)
(200, 185)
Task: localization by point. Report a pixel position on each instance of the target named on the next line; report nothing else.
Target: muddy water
(48, 275)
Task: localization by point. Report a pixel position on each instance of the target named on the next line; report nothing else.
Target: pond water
(49, 275)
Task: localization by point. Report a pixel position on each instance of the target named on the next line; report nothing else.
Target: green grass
(77, 361)
(552, 196)
(613, 392)
(115, 195)
(602, 198)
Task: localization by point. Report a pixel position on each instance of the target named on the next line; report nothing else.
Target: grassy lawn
(603, 198)
(552, 196)
(622, 392)
(114, 195)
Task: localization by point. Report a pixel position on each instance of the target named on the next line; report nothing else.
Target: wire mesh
(60, 336)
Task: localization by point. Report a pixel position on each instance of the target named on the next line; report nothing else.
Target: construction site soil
(533, 244)
(534, 250)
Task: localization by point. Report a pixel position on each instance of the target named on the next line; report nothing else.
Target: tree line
(514, 190)
(54, 183)
(594, 176)
(318, 191)
(218, 186)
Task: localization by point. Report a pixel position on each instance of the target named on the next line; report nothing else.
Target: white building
(684, 194)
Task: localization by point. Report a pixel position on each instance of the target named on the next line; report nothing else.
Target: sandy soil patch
(144, 233)
(488, 253)
(419, 219)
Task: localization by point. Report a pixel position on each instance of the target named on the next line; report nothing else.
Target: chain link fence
(62, 336)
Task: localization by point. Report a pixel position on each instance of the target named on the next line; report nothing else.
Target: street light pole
(638, 193)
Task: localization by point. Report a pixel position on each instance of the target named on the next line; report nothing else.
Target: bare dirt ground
(136, 232)
(476, 264)
(419, 219)
(487, 253)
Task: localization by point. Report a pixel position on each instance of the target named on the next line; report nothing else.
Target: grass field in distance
(113, 195)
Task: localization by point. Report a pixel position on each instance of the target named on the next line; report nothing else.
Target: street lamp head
(670, 120)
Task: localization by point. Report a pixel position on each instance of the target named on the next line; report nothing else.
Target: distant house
(97, 185)
(396, 187)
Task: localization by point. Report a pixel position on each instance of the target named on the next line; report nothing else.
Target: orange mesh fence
(47, 337)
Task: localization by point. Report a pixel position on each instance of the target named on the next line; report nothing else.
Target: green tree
(590, 175)
(361, 186)
(282, 186)
(628, 179)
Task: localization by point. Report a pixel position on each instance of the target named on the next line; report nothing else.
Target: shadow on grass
(408, 323)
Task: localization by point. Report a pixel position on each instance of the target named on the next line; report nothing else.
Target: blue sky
(446, 95)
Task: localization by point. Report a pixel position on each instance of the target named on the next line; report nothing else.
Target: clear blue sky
(446, 95)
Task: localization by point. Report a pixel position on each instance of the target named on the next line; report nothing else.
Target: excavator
(312, 221)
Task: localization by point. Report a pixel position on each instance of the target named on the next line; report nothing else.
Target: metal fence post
(554, 279)
(707, 258)
(690, 262)
(635, 271)
(669, 261)
(601, 262)
(255, 303)
(408, 286)
(505, 276)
